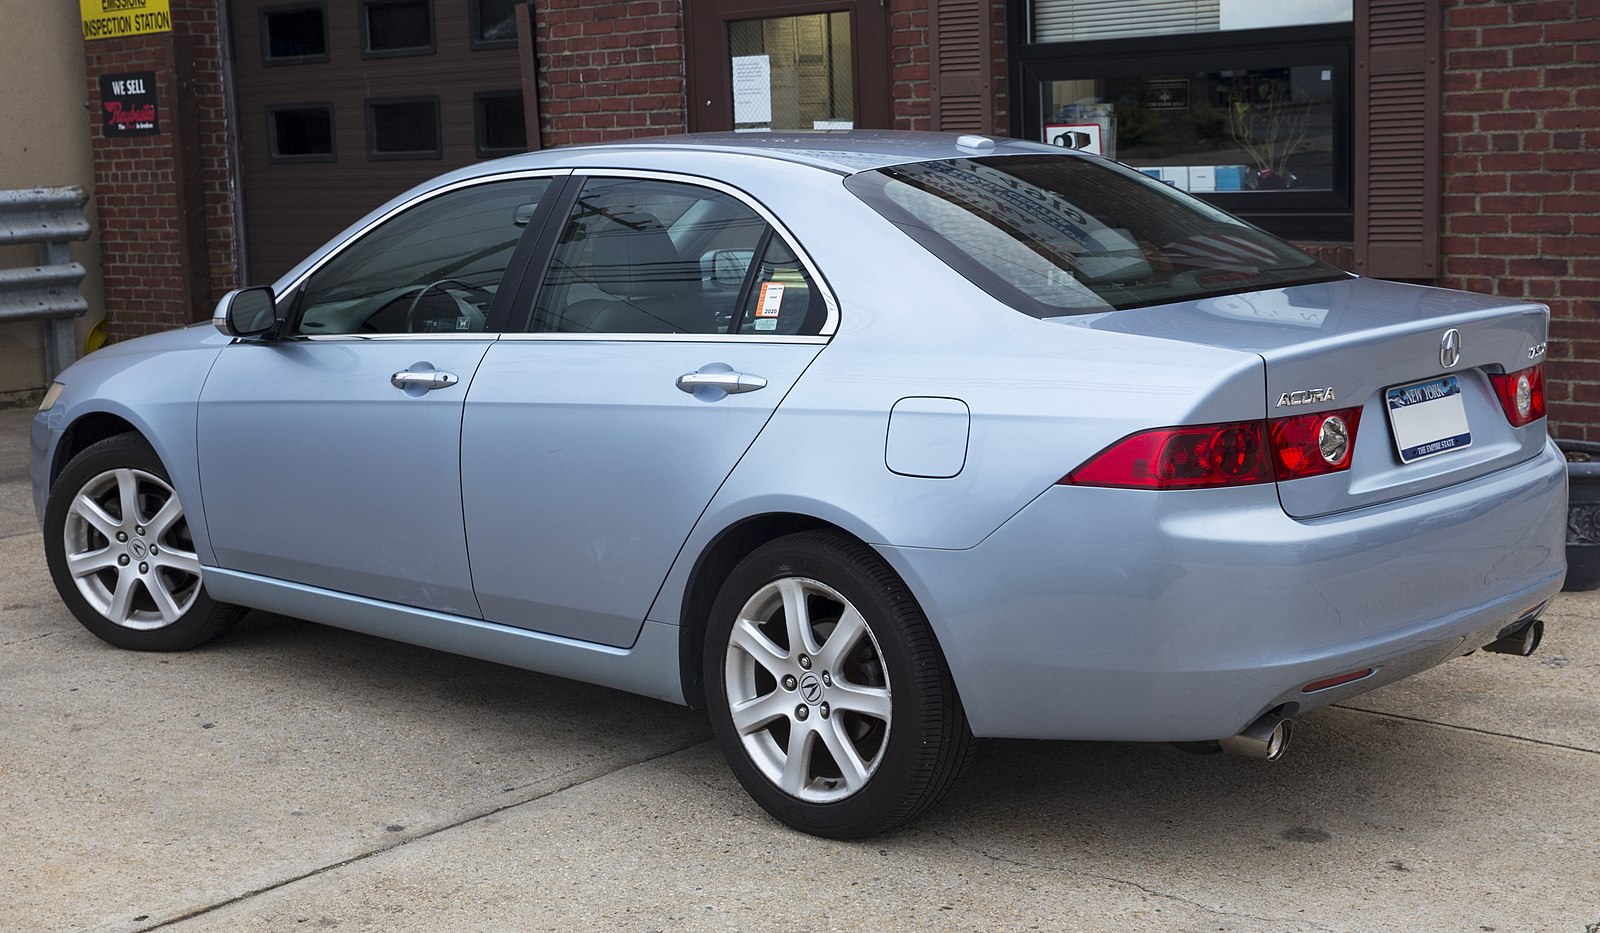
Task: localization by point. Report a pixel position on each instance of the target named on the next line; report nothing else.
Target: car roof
(843, 152)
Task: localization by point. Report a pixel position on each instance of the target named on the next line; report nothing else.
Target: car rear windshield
(1054, 235)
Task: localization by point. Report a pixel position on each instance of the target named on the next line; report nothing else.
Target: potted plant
(1583, 514)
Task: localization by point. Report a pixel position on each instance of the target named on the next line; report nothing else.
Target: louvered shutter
(1081, 20)
(1397, 136)
(961, 63)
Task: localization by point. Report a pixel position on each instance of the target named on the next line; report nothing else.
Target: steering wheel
(416, 302)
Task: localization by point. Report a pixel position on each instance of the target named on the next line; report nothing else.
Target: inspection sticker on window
(771, 299)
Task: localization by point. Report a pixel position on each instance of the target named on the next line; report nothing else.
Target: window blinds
(1081, 20)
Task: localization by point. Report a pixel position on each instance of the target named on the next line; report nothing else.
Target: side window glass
(783, 299)
(433, 269)
(649, 257)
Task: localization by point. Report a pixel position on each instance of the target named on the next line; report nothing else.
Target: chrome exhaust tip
(1520, 641)
(1266, 739)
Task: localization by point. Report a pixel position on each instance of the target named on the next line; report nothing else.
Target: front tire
(827, 692)
(119, 551)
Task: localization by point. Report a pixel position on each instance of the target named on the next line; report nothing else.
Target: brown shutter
(961, 62)
(1397, 106)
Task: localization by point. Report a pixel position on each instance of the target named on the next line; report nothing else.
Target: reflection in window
(300, 133)
(1224, 130)
(501, 125)
(792, 73)
(294, 33)
(494, 22)
(397, 27)
(433, 269)
(403, 128)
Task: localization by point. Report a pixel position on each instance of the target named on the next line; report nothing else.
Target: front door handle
(730, 382)
(423, 381)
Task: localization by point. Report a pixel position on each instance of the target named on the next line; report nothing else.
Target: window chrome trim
(413, 202)
(816, 340)
(829, 326)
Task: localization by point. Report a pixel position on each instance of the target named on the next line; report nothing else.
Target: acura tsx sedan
(868, 444)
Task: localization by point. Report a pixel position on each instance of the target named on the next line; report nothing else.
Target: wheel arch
(716, 560)
(86, 430)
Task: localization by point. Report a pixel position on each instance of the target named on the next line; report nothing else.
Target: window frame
(270, 61)
(480, 126)
(368, 111)
(367, 51)
(475, 26)
(1322, 214)
(520, 326)
(276, 158)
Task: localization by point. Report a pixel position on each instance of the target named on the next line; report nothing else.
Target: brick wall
(1521, 197)
(163, 201)
(611, 71)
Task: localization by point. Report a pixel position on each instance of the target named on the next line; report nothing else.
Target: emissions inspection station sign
(112, 19)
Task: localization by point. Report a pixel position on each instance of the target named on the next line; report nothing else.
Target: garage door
(344, 103)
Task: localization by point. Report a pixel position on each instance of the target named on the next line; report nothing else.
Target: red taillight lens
(1310, 445)
(1521, 394)
(1197, 457)
(1237, 453)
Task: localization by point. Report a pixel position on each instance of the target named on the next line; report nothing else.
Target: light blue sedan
(867, 443)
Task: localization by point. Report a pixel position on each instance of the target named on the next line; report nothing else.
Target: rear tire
(119, 551)
(827, 691)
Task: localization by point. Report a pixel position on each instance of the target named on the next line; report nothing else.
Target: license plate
(1428, 418)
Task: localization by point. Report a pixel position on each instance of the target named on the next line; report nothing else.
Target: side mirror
(246, 312)
(522, 213)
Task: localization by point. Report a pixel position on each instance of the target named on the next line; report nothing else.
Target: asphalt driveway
(292, 776)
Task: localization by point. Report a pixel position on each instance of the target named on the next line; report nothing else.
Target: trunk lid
(1355, 339)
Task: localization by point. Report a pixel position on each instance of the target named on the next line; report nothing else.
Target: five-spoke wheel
(827, 690)
(120, 551)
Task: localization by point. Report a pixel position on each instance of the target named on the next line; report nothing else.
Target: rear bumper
(1122, 615)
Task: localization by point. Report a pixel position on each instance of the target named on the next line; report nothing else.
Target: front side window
(639, 256)
(432, 269)
(1059, 235)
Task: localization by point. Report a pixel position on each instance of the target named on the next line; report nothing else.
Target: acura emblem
(1450, 348)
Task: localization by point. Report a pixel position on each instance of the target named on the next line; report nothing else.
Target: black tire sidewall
(920, 687)
(205, 619)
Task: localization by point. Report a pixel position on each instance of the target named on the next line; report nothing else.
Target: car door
(330, 455)
(671, 320)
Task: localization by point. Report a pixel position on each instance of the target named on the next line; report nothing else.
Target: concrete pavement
(292, 776)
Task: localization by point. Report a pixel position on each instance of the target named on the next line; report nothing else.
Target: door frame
(709, 94)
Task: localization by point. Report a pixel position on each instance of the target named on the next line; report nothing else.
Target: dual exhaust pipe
(1267, 738)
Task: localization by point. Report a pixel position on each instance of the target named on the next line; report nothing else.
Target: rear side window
(1054, 235)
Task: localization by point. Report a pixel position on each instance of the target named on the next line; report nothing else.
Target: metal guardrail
(48, 292)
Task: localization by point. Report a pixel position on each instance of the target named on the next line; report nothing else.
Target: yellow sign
(112, 19)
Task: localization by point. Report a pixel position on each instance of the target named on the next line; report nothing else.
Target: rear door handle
(434, 379)
(730, 382)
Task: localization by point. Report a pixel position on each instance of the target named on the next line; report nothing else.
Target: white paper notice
(752, 89)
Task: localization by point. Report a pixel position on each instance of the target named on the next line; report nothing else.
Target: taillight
(1237, 453)
(1521, 394)
(1310, 445)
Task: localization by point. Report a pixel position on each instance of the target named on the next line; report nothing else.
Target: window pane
(1225, 130)
(647, 257)
(304, 131)
(497, 20)
(1056, 235)
(792, 73)
(433, 269)
(295, 33)
(1085, 20)
(404, 129)
(398, 25)
(502, 128)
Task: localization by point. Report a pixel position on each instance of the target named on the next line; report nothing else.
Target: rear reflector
(1521, 394)
(1235, 453)
(1342, 679)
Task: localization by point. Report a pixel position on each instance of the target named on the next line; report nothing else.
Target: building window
(494, 23)
(396, 27)
(300, 133)
(1237, 103)
(403, 128)
(501, 126)
(294, 35)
